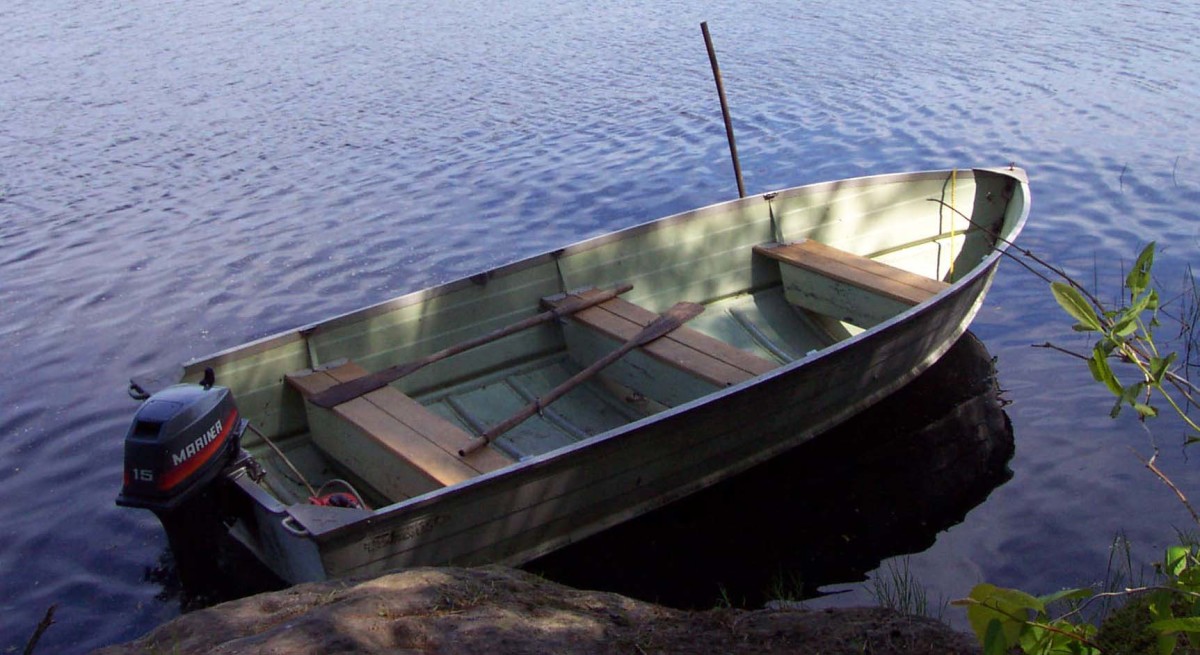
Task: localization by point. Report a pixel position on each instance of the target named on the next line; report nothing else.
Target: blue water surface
(179, 178)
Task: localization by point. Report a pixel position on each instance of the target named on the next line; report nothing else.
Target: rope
(282, 457)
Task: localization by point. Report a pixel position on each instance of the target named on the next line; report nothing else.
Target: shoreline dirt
(506, 611)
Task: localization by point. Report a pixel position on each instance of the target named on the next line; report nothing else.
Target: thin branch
(1050, 346)
(1149, 463)
(1185, 386)
(1179, 410)
(1128, 591)
(1026, 252)
(1069, 635)
(42, 626)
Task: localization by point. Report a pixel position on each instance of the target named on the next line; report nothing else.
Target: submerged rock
(506, 611)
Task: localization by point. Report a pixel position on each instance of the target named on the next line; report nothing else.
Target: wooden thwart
(350, 389)
(390, 440)
(867, 274)
(695, 353)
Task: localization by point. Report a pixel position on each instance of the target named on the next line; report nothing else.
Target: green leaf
(1126, 324)
(1102, 372)
(1159, 605)
(1176, 560)
(1067, 594)
(1181, 624)
(1145, 410)
(1143, 301)
(1165, 644)
(1189, 580)
(1106, 346)
(993, 639)
(1011, 608)
(1129, 396)
(1131, 393)
(1159, 366)
(1074, 304)
(1036, 639)
(1139, 276)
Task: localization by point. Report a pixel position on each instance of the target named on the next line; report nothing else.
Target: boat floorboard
(763, 324)
(585, 411)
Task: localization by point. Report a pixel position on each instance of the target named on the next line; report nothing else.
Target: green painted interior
(704, 256)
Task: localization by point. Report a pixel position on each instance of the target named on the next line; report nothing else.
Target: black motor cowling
(181, 439)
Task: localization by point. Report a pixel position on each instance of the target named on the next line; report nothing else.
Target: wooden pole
(674, 317)
(712, 58)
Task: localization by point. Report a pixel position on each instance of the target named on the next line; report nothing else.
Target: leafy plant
(1007, 618)
(1004, 619)
(1126, 334)
(1175, 607)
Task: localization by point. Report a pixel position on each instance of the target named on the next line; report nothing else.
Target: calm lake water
(178, 178)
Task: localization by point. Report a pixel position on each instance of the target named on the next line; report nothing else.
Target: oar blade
(347, 391)
(677, 315)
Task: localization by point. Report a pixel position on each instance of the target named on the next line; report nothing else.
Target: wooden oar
(340, 393)
(673, 318)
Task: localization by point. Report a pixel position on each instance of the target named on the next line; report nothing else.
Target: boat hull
(569, 495)
(546, 501)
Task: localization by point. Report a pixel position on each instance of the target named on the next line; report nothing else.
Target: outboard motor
(182, 442)
(181, 439)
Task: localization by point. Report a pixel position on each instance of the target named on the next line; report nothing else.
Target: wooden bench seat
(846, 286)
(389, 439)
(654, 369)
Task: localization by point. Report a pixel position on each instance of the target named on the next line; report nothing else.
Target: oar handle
(351, 389)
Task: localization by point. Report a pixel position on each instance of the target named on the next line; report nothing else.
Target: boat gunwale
(984, 267)
(289, 336)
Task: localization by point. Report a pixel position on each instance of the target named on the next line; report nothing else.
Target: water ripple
(180, 178)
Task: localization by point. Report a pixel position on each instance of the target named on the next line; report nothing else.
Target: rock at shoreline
(506, 611)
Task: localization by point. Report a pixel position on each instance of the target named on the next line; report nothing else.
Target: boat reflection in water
(881, 485)
(226, 571)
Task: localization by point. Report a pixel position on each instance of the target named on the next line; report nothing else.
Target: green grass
(895, 588)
